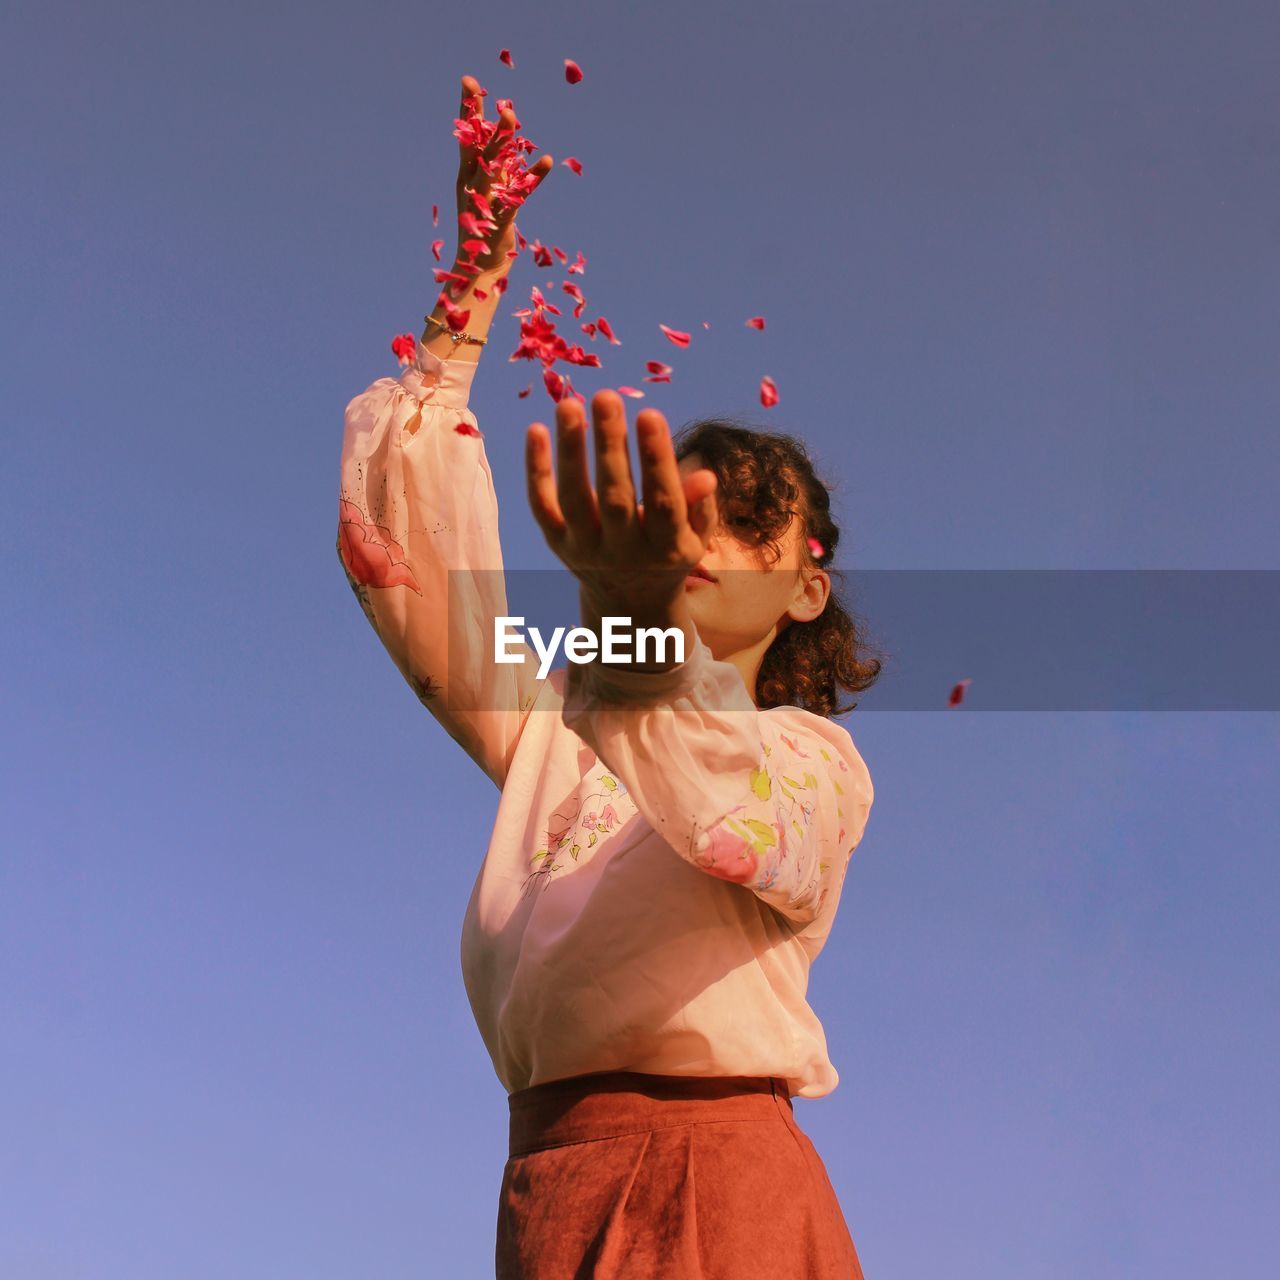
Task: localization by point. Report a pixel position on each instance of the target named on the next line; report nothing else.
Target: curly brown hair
(767, 477)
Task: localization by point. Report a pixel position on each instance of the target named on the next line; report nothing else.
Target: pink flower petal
(656, 366)
(560, 253)
(607, 330)
(403, 344)
(554, 384)
(768, 392)
(957, 693)
(521, 394)
(756, 322)
(435, 215)
(631, 391)
(541, 303)
(572, 72)
(706, 325)
(816, 549)
(573, 164)
(676, 336)
(435, 249)
(464, 428)
(580, 266)
(505, 56)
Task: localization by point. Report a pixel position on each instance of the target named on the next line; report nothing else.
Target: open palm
(625, 554)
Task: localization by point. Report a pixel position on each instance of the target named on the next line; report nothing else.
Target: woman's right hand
(497, 233)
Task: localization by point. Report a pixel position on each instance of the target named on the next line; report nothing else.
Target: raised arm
(418, 513)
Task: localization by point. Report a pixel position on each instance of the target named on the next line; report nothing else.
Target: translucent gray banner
(1023, 639)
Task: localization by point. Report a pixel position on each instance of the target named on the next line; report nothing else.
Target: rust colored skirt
(628, 1176)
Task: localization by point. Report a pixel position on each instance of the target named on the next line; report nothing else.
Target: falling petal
(580, 266)
(631, 391)
(541, 303)
(442, 275)
(590, 330)
(573, 164)
(554, 384)
(457, 320)
(505, 56)
(706, 325)
(403, 347)
(466, 429)
(768, 392)
(521, 394)
(435, 249)
(435, 215)
(482, 294)
(816, 549)
(756, 322)
(957, 693)
(560, 253)
(474, 226)
(680, 339)
(572, 72)
(656, 366)
(607, 330)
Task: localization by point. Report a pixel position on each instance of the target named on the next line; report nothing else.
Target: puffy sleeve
(774, 800)
(418, 542)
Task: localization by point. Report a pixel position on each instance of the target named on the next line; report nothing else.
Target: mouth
(702, 574)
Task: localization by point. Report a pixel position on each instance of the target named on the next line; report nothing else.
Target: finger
(577, 501)
(470, 89)
(506, 127)
(703, 502)
(615, 490)
(541, 169)
(665, 508)
(541, 483)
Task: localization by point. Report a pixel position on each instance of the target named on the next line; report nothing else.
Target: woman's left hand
(628, 556)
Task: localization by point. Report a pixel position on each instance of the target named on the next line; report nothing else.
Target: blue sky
(1019, 264)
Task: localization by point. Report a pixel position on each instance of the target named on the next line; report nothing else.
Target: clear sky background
(1019, 264)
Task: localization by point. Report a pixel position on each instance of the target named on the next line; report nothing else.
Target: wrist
(663, 614)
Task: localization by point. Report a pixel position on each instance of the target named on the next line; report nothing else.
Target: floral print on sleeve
(775, 801)
(418, 543)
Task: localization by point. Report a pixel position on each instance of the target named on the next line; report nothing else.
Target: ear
(811, 596)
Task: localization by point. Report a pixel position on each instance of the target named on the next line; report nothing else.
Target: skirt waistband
(610, 1104)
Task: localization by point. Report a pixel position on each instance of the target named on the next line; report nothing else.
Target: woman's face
(753, 598)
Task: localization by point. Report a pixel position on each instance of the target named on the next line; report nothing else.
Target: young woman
(671, 840)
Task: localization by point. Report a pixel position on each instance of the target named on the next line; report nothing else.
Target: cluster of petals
(509, 184)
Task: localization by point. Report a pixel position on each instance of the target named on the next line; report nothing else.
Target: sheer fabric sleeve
(773, 800)
(418, 542)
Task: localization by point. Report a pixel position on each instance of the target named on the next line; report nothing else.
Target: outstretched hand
(629, 557)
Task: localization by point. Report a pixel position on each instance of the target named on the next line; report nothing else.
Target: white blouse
(667, 860)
